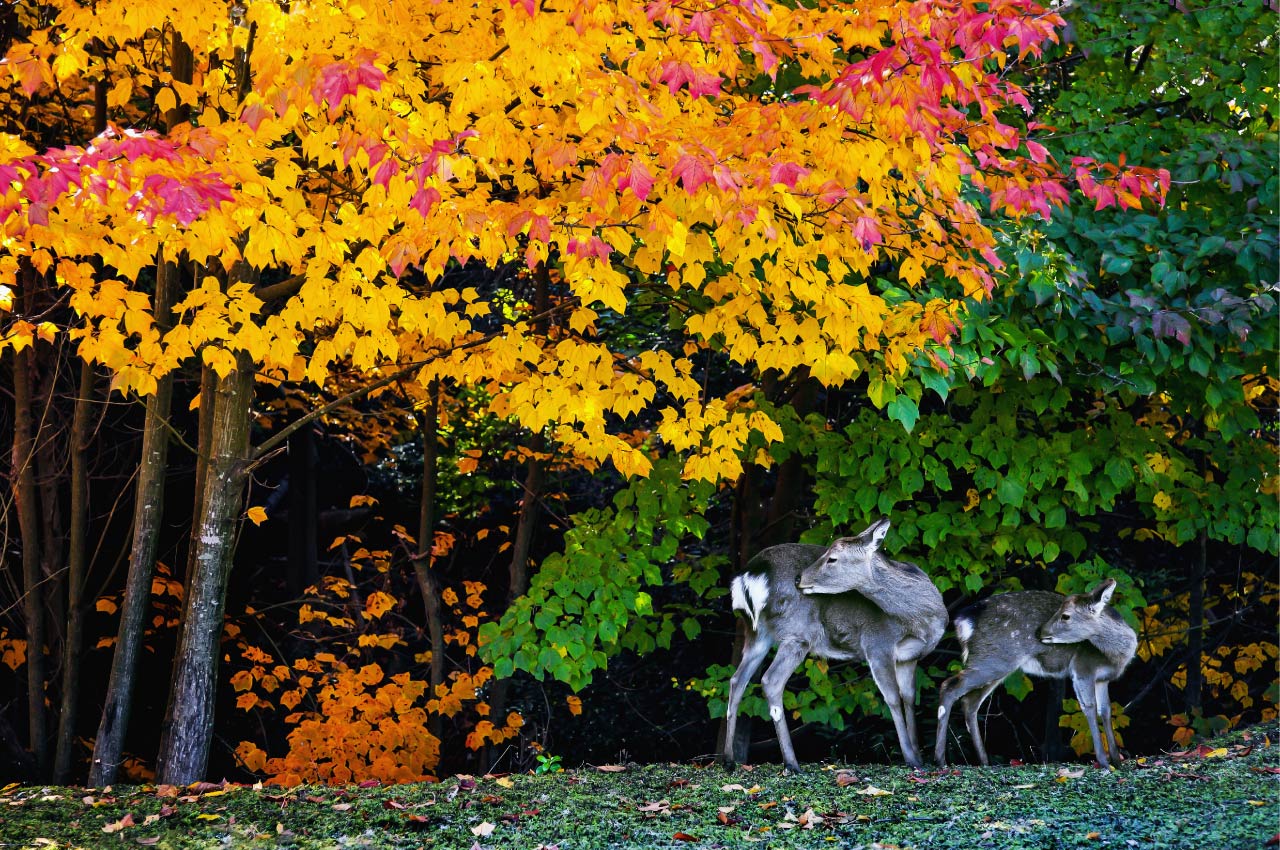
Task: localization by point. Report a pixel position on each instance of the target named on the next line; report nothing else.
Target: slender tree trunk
(303, 554)
(77, 567)
(24, 477)
(518, 571)
(184, 748)
(148, 512)
(47, 433)
(1053, 748)
(1195, 624)
(428, 585)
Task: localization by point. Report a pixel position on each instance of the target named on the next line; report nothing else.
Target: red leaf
(684, 836)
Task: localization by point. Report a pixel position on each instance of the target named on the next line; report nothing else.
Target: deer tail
(749, 593)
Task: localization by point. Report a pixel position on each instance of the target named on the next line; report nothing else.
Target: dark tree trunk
(47, 435)
(77, 568)
(428, 585)
(184, 747)
(1053, 746)
(1195, 626)
(518, 571)
(303, 552)
(26, 498)
(148, 511)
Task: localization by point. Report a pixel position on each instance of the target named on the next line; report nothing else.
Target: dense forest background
(469, 556)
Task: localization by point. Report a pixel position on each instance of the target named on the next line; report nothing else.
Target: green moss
(1224, 801)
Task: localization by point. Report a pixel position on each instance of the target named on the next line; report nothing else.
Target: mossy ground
(1225, 795)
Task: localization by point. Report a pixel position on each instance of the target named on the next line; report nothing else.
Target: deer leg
(1103, 693)
(753, 656)
(952, 689)
(1086, 695)
(906, 675)
(972, 704)
(886, 679)
(790, 654)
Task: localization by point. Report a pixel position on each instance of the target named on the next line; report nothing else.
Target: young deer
(845, 601)
(1041, 634)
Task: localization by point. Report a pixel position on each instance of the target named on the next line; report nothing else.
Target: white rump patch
(964, 632)
(749, 593)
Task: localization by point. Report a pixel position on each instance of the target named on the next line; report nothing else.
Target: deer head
(848, 564)
(1078, 618)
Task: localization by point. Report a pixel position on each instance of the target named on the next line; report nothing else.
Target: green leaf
(903, 409)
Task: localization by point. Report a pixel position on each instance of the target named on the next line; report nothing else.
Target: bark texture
(188, 728)
(428, 585)
(25, 496)
(77, 568)
(148, 512)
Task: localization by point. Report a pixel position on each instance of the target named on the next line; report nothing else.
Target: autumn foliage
(512, 257)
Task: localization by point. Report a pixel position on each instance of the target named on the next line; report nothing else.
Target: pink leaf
(638, 179)
(867, 232)
(691, 173)
(786, 173)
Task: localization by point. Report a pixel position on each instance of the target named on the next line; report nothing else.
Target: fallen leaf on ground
(684, 836)
(873, 791)
(610, 768)
(505, 782)
(484, 829)
(123, 823)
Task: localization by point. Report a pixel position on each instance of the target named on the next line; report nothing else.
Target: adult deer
(843, 601)
(1042, 634)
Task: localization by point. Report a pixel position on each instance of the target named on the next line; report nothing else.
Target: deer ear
(875, 533)
(1101, 595)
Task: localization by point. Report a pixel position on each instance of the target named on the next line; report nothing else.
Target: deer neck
(1115, 640)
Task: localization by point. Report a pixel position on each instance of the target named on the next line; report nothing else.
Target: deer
(1041, 633)
(843, 601)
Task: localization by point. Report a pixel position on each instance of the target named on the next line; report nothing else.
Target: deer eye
(831, 560)
(1066, 617)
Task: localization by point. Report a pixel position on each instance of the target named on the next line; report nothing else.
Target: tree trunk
(77, 567)
(184, 748)
(148, 510)
(46, 436)
(303, 553)
(1195, 629)
(24, 478)
(428, 586)
(204, 436)
(518, 570)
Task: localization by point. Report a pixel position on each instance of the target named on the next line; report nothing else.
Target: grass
(1225, 794)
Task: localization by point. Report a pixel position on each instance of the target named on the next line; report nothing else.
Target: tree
(749, 165)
